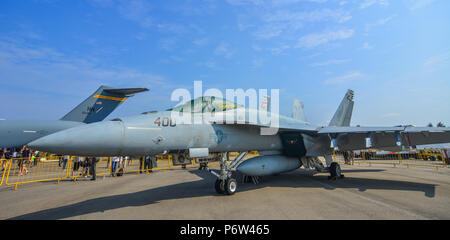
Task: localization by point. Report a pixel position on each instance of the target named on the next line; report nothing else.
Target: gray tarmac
(377, 192)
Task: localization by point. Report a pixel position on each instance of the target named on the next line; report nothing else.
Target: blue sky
(395, 54)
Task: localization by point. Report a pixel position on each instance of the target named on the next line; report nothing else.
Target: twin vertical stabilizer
(343, 115)
(298, 111)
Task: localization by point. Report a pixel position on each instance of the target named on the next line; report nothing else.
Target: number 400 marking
(165, 122)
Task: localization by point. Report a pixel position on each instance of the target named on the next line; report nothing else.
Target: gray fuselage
(16, 133)
(159, 132)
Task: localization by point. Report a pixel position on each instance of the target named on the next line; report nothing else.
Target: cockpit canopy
(206, 104)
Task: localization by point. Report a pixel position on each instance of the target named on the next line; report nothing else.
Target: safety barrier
(4, 166)
(433, 158)
(19, 171)
(26, 170)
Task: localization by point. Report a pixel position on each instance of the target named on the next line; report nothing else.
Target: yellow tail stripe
(110, 98)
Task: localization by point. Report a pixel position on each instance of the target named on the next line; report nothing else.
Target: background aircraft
(296, 142)
(16, 133)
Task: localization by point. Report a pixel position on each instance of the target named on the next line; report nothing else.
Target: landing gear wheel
(335, 171)
(219, 185)
(230, 186)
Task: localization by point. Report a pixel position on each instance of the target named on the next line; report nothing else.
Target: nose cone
(96, 139)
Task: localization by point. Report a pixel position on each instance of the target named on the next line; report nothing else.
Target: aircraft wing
(346, 138)
(354, 138)
(252, 118)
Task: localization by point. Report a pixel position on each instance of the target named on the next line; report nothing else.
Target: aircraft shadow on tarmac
(204, 187)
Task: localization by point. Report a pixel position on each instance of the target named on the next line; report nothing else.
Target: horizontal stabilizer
(126, 91)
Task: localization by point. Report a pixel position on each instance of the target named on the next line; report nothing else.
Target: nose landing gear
(228, 186)
(225, 183)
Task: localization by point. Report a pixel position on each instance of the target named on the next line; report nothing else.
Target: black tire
(219, 186)
(230, 186)
(335, 170)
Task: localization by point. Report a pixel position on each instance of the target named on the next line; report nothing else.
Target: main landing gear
(335, 171)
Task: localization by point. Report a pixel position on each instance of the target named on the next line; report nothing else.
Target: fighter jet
(16, 133)
(295, 142)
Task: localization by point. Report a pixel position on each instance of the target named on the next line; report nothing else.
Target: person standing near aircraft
(151, 163)
(23, 161)
(7, 156)
(93, 162)
(123, 162)
(129, 160)
(3, 158)
(33, 159)
(36, 158)
(115, 162)
(154, 162)
(143, 164)
(65, 160)
(76, 165)
(86, 167)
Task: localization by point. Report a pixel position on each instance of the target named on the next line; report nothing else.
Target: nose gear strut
(225, 184)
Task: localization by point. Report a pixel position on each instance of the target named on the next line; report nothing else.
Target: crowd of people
(86, 164)
(26, 159)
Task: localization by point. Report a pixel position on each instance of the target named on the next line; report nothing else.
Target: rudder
(343, 115)
(298, 111)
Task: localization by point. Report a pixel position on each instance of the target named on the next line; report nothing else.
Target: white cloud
(416, 4)
(46, 69)
(391, 115)
(351, 76)
(316, 39)
(270, 31)
(329, 62)
(201, 41)
(367, 46)
(279, 49)
(310, 16)
(285, 21)
(168, 44)
(256, 48)
(256, 63)
(368, 3)
(438, 61)
(245, 2)
(137, 11)
(209, 64)
(270, 2)
(224, 50)
(380, 22)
